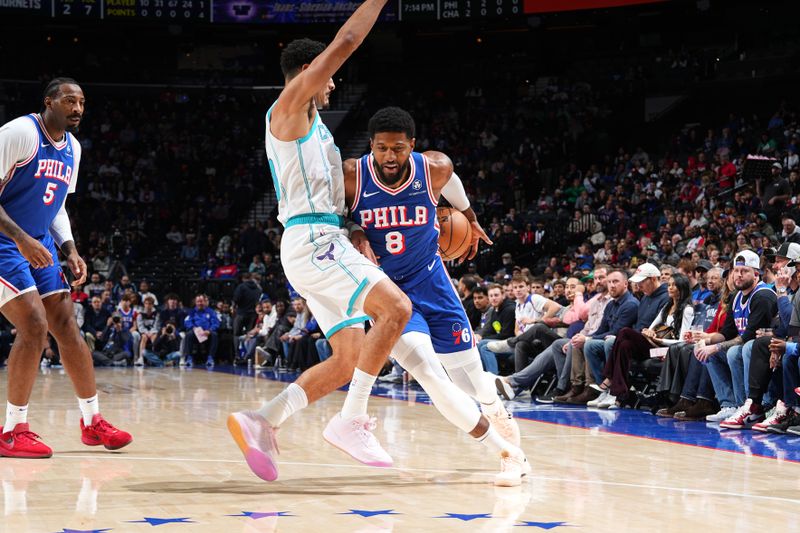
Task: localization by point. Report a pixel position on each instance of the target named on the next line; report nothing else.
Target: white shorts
(334, 278)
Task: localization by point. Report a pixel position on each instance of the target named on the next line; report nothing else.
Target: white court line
(448, 471)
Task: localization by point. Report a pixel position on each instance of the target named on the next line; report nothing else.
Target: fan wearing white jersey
(342, 287)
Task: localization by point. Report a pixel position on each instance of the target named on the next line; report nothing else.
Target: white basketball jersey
(307, 172)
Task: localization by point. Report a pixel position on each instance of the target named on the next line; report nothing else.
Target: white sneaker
(504, 423)
(182, 361)
(256, 438)
(354, 437)
(609, 403)
(391, 377)
(512, 470)
(504, 388)
(139, 361)
(499, 347)
(597, 402)
(261, 357)
(723, 413)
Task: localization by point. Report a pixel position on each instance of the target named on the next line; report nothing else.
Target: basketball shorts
(325, 269)
(437, 311)
(17, 277)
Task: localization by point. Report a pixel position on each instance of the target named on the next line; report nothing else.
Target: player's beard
(73, 129)
(401, 173)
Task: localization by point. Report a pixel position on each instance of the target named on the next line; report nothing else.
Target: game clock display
(422, 10)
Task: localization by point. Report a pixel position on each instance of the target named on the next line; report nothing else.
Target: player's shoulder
(437, 159)
(21, 126)
(349, 165)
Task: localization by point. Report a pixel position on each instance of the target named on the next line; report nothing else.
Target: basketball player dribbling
(39, 160)
(342, 287)
(392, 194)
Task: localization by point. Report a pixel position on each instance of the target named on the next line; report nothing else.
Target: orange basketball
(455, 233)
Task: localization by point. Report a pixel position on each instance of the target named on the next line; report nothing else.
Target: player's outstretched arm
(304, 86)
(446, 183)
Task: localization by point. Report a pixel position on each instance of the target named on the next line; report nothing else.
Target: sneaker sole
(259, 462)
(379, 464)
(107, 447)
(25, 456)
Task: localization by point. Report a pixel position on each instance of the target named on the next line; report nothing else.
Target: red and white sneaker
(23, 443)
(354, 437)
(256, 438)
(102, 432)
(744, 417)
(779, 415)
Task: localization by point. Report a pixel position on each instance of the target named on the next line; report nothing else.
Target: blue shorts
(17, 277)
(437, 311)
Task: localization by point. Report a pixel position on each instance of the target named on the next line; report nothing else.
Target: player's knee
(400, 311)
(34, 330)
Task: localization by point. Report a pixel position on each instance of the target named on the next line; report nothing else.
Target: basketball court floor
(592, 471)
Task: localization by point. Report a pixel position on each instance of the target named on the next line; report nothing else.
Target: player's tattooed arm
(31, 249)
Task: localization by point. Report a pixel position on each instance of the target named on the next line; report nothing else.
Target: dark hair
(391, 119)
(480, 289)
(298, 53)
(681, 283)
(469, 282)
(54, 87)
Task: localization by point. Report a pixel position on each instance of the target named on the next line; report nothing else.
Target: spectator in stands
(257, 266)
(174, 235)
(245, 297)
(117, 347)
(466, 288)
(201, 326)
(95, 287)
(119, 288)
(189, 250)
(101, 263)
(78, 295)
(228, 269)
(753, 308)
(480, 298)
(208, 271)
(95, 321)
(791, 231)
(145, 292)
(776, 193)
(620, 312)
(148, 323)
(670, 325)
(172, 311)
(499, 325)
(166, 348)
(107, 301)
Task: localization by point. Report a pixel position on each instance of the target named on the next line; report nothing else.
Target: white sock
(89, 407)
(358, 394)
(289, 401)
(492, 440)
(15, 414)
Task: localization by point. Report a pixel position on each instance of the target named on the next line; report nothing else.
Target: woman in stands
(677, 316)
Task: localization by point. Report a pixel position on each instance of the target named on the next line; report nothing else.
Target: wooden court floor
(184, 473)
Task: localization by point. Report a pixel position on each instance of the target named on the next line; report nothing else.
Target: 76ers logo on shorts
(461, 334)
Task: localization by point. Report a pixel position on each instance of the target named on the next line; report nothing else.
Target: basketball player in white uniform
(342, 287)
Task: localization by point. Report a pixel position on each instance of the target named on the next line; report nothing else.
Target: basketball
(455, 233)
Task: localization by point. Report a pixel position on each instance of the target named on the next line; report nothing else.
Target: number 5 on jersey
(395, 242)
(50, 193)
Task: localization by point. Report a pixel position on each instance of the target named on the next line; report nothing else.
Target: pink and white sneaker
(354, 437)
(256, 438)
(506, 426)
(512, 469)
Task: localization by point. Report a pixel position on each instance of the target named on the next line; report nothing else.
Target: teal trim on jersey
(305, 176)
(315, 218)
(354, 297)
(311, 130)
(275, 181)
(345, 323)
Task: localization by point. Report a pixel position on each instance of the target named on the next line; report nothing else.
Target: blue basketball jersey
(400, 223)
(35, 190)
(741, 312)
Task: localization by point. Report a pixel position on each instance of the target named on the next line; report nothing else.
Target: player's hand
(35, 252)
(78, 268)
(478, 235)
(361, 243)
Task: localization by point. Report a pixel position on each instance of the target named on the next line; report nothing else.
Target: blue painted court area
(623, 421)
